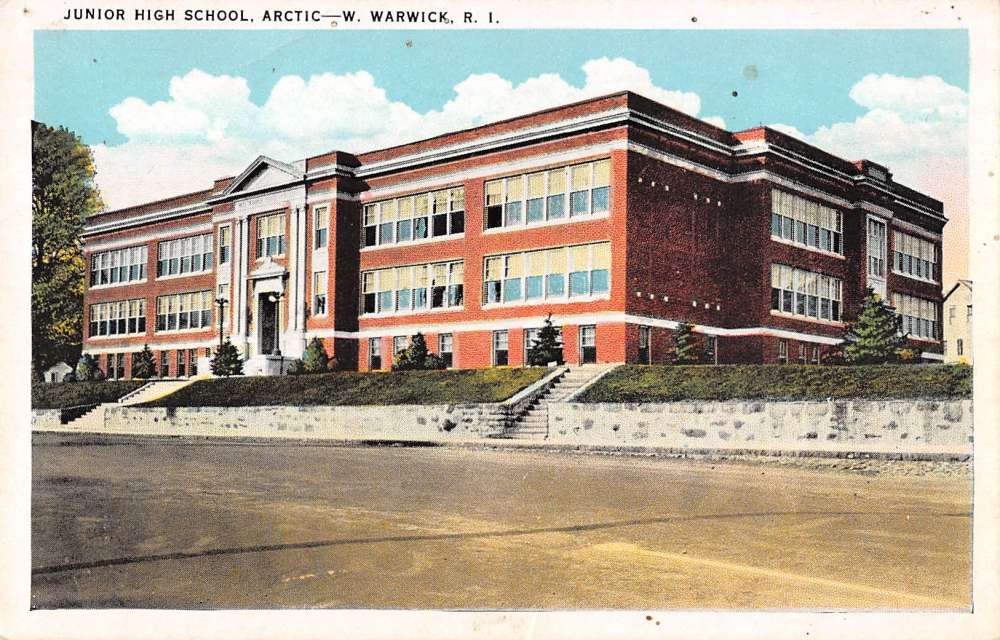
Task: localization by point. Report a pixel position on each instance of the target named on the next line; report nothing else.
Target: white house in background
(57, 372)
(958, 323)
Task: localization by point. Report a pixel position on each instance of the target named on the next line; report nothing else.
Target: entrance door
(268, 324)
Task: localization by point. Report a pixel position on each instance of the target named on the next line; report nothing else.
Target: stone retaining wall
(46, 420)
(889, 426)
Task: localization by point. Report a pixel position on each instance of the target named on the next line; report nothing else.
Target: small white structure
(57, 372)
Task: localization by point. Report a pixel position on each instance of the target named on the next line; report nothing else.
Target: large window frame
(188, 256)
(407, 289)
(920, 316)
(559, 194)
(915, 257)
(809, 295)
(271, 236)
(877, 245)
(225, 244)
(118, 318)
(118, 266)
(319, 289)
(188, 311)
(501, 348)
(446, 349)
(568, 273)
(415, 218)
(806, 223)
(321, 227)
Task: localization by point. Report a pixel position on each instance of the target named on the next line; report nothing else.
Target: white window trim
(590, 217)
(407, 243)
(809, 248)
(913, 277)
(130, 283)
(189, 274)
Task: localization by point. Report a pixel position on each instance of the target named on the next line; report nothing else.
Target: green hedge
(350, 388)
(780, 382)
(59, 395)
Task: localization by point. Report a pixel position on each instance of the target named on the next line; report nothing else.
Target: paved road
(181, 525)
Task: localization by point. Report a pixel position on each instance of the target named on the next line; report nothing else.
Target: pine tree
(315, 359)
(876, 337)
(546, 347)
(685, 351)
(227, 360)
(144, 364)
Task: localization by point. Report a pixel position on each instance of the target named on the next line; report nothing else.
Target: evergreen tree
(876, 337)
(685, 349)
(63, 194)
(86, 368)
(417, 356)
(315, 359)
(227, 360)
(144, 364)
(546, 347)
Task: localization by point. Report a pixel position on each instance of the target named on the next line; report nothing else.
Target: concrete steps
(533, 424)
(154, 391)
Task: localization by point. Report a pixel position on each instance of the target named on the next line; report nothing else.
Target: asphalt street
(173, 524)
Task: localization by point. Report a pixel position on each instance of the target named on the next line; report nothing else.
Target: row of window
(428, 215)
(118, 266)
(413, 288)
(124, 317)
(500, 342)
(805, 293)
(185, 363)
(185, 255)
(920, 316)
(915, 256)
(184, 311)
(537, 197)
(577, 271)
(805, 222)
(810, 356)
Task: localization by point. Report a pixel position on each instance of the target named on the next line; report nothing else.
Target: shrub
(315, 360)
(227, 360)
(297, 368)
(417, 356)
(144, 364)
(86, 367)
(685, 350)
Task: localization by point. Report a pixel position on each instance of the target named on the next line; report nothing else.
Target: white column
(242, 299)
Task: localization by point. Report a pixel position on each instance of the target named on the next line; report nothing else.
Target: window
(319, 293)
(805, 222)
(116, 366)
(914, 257)
(588, 344)
(193, 359)
(500, 348)
(951, 314)
(558, 273)
(374, 353)
(414, 218)
(959, 347)
(802, 353)
(536, 197)
(184, 311)
(321, 230)
(225, 244)
(805, 293)
(712, 349)
(126, 317)
(876, 248)
(398, 345)
(446, 349)
(968, 313)
(783, 351)
(271, 235)
(118, 266)
(919, 315)
(413, 288)
(164, 364)
(181, 364)
(185, 255)
(815, 354)
(644, 355)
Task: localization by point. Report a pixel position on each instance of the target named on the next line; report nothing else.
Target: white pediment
(268, 269)
(263, 173)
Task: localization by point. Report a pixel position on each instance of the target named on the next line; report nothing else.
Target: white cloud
(210, 128)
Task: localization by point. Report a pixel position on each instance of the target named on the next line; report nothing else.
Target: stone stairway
(533, 424)
(93, 419)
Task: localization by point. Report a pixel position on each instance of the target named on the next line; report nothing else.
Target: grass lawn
(351, 388)
(635, 383)
(59, 395)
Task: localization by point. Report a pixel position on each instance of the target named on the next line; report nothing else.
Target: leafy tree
(315, 359)
(63, 194)
(876, 337)
(86, 368)
(547, 347)
(227, 360)
(685, 349)
(417, 356)
(144, 364)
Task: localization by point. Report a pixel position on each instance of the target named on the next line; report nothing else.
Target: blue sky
(803, 77)
(166, 112)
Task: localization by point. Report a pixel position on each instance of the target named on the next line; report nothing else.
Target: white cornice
(148, 218)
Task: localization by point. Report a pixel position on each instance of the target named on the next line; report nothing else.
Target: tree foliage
(876, 337)
(315, 358)
(684, 349)
(227, 360)
(87, 369)
(62, 196)
(417, 356)
(144, 364)
(547, 347)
